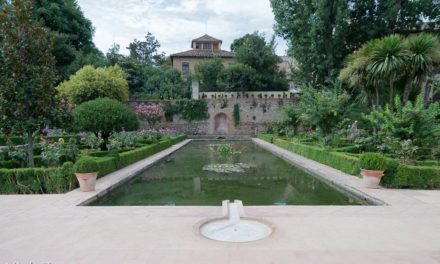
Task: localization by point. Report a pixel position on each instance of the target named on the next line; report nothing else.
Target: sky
(175, 23)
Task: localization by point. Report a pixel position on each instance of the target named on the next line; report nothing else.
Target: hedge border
(61, 179)
(396, 176)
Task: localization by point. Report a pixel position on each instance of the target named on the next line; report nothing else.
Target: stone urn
(373, 166)
(87, 181)
(86, 171)
(372, 178)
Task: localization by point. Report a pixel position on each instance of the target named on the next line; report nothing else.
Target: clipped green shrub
(372, 161)
(86, 165)
(104, 116)
(422, 177)
(62, 180)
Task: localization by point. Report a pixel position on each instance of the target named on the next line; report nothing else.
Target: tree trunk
(407, 90)
(105, 137)
(422, 87)
(377, 96)
(30, 150)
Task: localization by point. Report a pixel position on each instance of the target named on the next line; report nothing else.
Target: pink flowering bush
(150, 113)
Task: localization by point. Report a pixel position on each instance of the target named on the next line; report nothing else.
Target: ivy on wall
(189, 109)
(236, 115)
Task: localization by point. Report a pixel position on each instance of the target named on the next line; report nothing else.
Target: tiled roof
(206, 38)
(200, 53)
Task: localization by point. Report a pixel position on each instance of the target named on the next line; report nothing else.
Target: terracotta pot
(372, 178)
(87, 181)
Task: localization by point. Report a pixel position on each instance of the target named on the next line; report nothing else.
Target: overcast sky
(175, 22)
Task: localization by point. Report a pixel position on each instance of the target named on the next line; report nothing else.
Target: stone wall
(255, 113)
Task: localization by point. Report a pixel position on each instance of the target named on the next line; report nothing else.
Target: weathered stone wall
(255, 113)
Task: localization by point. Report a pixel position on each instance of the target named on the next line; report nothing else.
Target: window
(206, 46)
(185, 68)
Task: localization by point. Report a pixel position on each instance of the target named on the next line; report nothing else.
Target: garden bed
(61, 179)
(397, 175)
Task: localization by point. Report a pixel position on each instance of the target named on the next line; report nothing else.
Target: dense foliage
(149, 82)
(321, 110)
(208, 72)
(239, 77)
(189, 109)
(27, 73)
(254, 51)
(72, 32)
(90, 83)
(408, 132)
(103, 117)
(322, 33)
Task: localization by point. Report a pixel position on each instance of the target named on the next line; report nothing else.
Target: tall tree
(147, 51)
(424, 56)
(321, 33)
(72, 31)
(208, 72)
(254, 51)
(388, 61)
(27, 93)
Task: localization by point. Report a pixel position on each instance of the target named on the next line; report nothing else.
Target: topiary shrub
(90, 83)
(372, 161)
(86, 165)
(103, 117)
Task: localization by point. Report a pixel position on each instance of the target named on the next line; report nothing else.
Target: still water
(198, 174)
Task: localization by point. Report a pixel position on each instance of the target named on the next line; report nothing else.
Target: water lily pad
(227, 167)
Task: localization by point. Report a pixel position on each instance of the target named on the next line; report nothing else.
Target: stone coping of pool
(348, 184)
(119, 177)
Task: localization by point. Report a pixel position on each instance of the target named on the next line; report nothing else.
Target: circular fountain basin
(246, 230)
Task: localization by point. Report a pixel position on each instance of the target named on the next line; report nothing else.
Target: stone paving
(53, 229)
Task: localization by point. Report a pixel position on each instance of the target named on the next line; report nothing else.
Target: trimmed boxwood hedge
(37, 180)
(62, 179)
(110, 164)
(340, 161)
(396, 176)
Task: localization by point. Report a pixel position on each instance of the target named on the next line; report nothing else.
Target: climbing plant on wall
(189, 109)
(236, 114)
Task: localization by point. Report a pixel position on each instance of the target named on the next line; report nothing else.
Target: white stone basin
(246, 230)
(233, 226)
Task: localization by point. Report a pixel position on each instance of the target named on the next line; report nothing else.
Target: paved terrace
(53, 229)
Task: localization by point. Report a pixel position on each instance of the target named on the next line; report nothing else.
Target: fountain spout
(233, 211)
(233, 226)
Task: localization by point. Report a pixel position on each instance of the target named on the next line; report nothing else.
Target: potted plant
(373, 166)
(86, 171)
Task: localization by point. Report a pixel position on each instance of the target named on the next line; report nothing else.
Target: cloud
(175, 22)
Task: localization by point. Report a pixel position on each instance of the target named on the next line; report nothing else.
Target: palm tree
(423, 57)
(387, 62)
(356, 74)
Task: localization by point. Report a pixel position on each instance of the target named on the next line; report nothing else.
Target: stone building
(202, 48)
